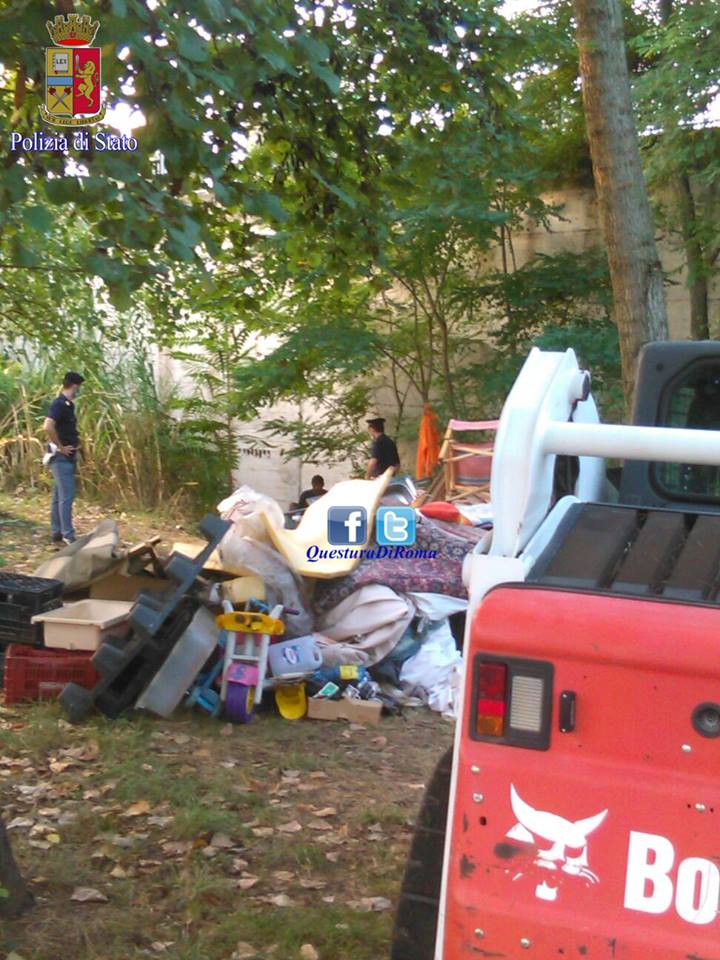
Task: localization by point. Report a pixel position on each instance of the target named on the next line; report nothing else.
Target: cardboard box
(124, 586)
(214, 563)
(355, 711)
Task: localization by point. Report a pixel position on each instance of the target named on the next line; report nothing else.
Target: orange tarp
(428, 454)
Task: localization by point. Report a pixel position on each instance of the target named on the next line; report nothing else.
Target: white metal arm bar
(667, 444)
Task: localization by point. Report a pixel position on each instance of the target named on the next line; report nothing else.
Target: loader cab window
(692, 401)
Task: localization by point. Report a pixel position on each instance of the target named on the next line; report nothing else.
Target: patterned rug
(451, 542)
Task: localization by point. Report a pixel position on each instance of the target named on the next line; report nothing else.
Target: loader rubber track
(417, 913)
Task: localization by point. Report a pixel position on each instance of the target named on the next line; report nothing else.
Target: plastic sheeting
(436, 667)
(428, 455)
(282, 585)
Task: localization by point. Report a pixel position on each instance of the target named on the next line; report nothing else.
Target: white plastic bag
(243, 509)
(436, 606)
(436, 668)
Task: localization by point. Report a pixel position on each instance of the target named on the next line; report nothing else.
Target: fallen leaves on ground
(138, 809)
(279, 900)
(368, 904)
(88, 895)
(244, 951)
(293, 827)
(222, 841)
(247, 883)
(18, 823)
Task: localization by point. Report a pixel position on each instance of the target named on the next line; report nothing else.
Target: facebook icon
(395, 526)
(347, 526)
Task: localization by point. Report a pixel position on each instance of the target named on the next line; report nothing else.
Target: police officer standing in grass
(61, 428)
(383, 453)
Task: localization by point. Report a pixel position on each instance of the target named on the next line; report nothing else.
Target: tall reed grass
(134, 451)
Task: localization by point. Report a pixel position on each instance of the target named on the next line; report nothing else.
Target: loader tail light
(512, 701)
(492, 698)
(526, 703)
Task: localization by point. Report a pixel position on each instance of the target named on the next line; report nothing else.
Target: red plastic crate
(32, 674)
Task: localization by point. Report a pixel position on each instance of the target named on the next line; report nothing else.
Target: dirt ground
(25, 527)
(191, 839)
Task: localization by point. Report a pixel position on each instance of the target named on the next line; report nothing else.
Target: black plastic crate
(33, 594)
(21, 598)
(11, 612)
(16, 631)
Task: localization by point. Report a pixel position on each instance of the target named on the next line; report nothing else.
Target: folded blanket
(369, 622)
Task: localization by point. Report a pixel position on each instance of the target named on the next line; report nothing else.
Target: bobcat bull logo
(560, 845)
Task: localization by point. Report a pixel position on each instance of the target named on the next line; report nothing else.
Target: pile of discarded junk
(254, 613)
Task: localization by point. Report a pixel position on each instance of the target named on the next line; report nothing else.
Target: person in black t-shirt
(61, 428)
(310, 496)
(383, 453)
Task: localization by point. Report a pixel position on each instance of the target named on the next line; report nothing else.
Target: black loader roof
(624, 551)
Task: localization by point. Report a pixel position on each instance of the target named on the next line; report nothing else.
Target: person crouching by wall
(61, 428)
(317, 490)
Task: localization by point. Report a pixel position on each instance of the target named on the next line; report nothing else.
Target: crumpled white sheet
(436, 606)
(436, 667)
(243, 509)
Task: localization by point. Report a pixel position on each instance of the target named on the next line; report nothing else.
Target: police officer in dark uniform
(61, 428)
(383, 453)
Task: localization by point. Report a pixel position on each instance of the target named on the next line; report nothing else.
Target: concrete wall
(578, 229)
(265, 467)
(262, 462)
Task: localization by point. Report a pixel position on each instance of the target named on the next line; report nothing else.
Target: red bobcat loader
(578, 815)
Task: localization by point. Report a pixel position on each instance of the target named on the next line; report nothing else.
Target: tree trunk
(15, 896)
(635, 269)
(697, 278)
(699, 309)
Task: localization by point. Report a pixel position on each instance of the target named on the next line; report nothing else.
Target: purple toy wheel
(240, 702)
